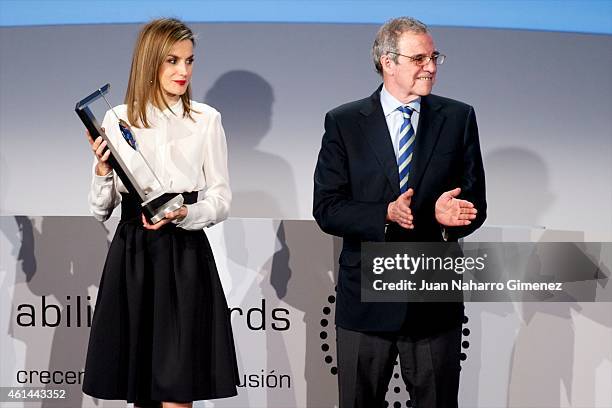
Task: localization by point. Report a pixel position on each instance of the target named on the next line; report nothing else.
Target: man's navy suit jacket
(356, 178)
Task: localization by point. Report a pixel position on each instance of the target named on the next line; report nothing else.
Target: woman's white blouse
(185, 155)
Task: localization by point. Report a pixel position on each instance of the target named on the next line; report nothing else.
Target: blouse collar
(175, 109)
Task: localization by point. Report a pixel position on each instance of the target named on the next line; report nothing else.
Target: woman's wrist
(183, 211)
(102, 170)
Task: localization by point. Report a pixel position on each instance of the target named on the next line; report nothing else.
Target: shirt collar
(390, 103)
(176, 108)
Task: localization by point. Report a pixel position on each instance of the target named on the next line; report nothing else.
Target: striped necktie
(406, 147)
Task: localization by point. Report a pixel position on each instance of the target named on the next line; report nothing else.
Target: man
(401, 165)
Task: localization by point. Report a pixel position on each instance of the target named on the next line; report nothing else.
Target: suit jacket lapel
(374, 127)
(428, 133)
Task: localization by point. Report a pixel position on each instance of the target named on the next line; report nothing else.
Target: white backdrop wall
(543, 102)
(542, 99)
(279, 281)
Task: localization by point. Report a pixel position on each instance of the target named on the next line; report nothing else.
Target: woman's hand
(170, 216)
(98, 146)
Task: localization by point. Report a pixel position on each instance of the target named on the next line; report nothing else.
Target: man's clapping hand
(399, 211)
(454, 212)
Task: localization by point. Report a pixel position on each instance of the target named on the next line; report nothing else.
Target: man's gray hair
(388, 36)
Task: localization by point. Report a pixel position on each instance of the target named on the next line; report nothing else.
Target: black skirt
(161, 327)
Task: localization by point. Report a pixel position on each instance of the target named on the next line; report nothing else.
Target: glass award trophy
(128, 162)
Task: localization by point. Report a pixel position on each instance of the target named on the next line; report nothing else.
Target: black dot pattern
(465, 344)
(396, 396)
(396, 392)
(324, 334)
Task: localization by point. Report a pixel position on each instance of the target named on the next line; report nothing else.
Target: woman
(161, 331)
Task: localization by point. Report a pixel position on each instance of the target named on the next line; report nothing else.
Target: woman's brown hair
(152, 47)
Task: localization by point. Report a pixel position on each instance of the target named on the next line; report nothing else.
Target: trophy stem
(135, 146)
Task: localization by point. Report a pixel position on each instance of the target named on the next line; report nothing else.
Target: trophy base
(157, 211)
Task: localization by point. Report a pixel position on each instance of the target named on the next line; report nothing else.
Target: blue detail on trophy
(127, 134)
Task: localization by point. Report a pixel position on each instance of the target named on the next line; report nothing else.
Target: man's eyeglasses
(422, 60)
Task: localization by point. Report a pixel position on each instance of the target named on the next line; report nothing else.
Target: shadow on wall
(13, 271)
(518, 194)
(550, 365)
(51, 311)
(301, 274)
(245, 101)
(543, 367)
(297, 282)
(518, 187)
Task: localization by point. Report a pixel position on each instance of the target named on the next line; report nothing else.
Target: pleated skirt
(161, 327)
